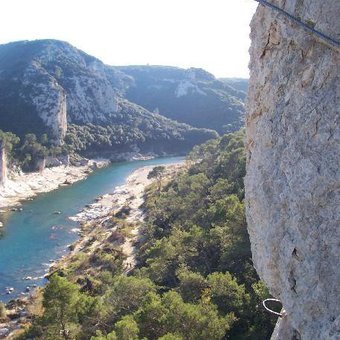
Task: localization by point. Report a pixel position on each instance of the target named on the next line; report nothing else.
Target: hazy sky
(212, 34)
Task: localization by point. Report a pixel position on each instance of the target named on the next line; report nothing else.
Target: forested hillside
(46, 86)
(50, 87)
(194, 279)
(238, 84)
(191, 96)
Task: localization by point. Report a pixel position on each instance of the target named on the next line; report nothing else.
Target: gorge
(265, 197)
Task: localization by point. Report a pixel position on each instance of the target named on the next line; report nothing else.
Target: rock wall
(49, 99)
(3, 165)
(293, 162)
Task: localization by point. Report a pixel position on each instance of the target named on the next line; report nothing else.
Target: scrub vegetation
(194, 277)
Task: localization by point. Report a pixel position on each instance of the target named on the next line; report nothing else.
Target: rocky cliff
(3, 165)
(48, 97)
(293, 161)
(54, 83)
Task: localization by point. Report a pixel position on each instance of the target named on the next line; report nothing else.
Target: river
(34, 237)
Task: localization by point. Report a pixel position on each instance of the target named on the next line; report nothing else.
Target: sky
(211, 34)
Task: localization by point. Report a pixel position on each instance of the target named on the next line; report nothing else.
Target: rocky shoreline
(23, 186)
(128, 196)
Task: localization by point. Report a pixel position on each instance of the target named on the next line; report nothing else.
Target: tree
(9, 140)
(99, 336)
(125, 296)
(60, 301)
(44, 139)
(195, 279)
(157, 172)
(151, 317)
(227, 294)
(30, 139)
(170, 314)
(31, 152)
(170, 336)
(127, 328)
(191, 285)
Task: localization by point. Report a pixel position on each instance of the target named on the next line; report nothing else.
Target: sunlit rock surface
(3, 165)
(293, 162)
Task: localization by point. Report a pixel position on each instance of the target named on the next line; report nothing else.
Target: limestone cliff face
(293, 162)
(66, 85)
(3, 165)
(49, 83)
(48, 98)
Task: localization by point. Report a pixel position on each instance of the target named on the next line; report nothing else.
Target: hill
(45, 85)
(49, 86)
(239, 84)
(191, 96)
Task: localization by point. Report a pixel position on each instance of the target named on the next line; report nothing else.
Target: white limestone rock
(48, 97)
(293, 161)
(92, 99)
(3, 165)
(66, 85)
(185, 87)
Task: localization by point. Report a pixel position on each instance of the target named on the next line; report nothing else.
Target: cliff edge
(293, 155)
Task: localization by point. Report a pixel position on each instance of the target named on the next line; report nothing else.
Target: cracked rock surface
(293, 165)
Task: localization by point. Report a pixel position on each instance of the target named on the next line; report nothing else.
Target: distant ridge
(192, 96)
(51, 86)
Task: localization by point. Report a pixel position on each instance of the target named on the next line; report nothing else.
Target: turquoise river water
(32, 238)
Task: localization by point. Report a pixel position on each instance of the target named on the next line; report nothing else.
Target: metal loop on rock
(270, 310)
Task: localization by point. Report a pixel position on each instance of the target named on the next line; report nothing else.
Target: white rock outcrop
(48, 98)
(67, 86)
(91, 99)
(185, 87)
(3, 165)
(293, 161)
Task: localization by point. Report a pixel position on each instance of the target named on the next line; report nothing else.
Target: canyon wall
(293, 156)
(48, 98)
